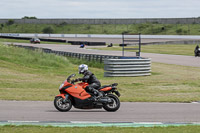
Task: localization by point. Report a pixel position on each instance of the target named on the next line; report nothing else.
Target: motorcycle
(197, 52)
(76, 95)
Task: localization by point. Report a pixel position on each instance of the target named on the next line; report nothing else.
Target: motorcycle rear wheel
(61, 106)
(114, 106)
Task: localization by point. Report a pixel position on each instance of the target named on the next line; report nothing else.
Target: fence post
(89, 57)
(101, 59)
(79, 56)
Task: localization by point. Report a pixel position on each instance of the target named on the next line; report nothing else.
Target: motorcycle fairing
(61, 95)
(78, 92)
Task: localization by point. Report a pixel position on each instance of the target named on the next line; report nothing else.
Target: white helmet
(82, 68)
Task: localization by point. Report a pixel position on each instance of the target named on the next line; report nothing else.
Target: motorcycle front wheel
(114, 106)
(61, 106)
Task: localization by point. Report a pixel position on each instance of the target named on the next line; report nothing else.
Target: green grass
(37, 129)
(33, 75)
(174, 49)
(145, 28)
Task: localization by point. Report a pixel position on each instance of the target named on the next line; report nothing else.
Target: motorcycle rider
(91, 79)
(197, 51)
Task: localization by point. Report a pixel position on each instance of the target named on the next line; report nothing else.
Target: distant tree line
(27, 17)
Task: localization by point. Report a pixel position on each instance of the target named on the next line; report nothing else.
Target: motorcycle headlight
(61, 85)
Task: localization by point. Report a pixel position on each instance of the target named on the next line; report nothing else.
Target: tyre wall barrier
(18, 38)
(87, 43)
(59, 40)
(53, 40)
(127, 67)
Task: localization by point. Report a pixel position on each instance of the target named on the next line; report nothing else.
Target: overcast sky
(100, 8)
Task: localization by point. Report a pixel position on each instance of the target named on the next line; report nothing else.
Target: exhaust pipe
(105, 100)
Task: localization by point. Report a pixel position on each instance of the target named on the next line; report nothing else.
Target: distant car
(35, 40)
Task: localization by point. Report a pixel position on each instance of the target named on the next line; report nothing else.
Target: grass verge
(174, 49)
(37, 129)
(33, 75)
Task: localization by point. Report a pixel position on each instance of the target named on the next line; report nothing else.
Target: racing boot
(97, 93)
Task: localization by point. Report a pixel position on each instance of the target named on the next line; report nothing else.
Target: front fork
(64, 96)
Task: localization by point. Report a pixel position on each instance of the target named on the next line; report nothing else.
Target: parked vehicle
(75, 95)
(35, 40)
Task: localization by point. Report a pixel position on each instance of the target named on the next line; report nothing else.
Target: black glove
(72, 81)
(79, 79)
(76, 80)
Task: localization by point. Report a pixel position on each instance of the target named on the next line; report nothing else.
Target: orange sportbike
(75, 95)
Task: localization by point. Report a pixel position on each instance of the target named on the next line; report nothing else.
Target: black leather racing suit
(196, 51)
(93, 82)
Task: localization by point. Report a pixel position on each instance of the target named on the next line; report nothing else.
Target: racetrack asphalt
(128, 112)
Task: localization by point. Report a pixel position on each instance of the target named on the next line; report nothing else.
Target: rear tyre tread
(107, 108)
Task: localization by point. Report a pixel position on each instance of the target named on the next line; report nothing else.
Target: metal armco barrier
(89, 57)
(127, 67)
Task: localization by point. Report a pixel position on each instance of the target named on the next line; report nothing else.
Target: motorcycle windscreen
(78, 92)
